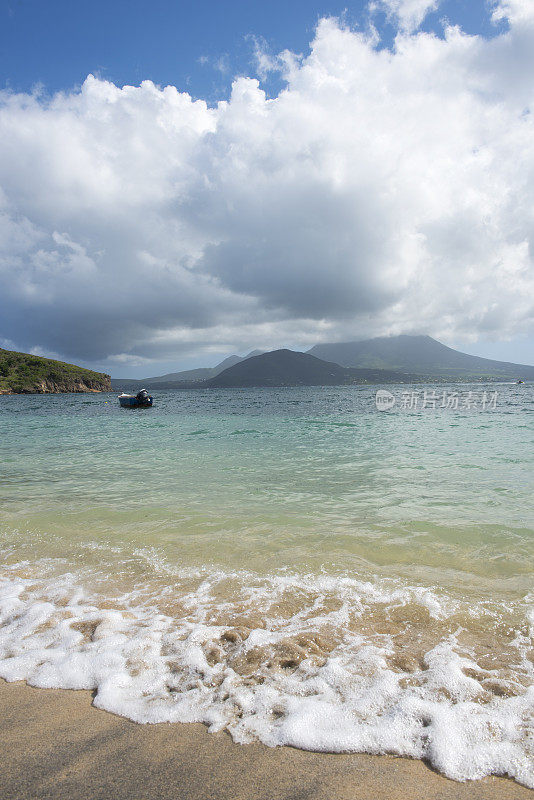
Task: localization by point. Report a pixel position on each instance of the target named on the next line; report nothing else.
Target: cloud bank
(379, 192)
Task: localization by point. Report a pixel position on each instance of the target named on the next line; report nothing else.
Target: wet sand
(55, 744)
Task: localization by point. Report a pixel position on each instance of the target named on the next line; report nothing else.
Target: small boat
(140, 400)
(519, 381)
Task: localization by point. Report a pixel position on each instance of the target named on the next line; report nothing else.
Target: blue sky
(224, 300)
(186, 44)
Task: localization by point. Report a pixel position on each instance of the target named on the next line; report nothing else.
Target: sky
(181, 181)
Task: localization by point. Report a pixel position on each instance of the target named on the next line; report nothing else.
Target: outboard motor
(142, 396)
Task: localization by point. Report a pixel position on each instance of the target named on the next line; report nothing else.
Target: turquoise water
(351, 577)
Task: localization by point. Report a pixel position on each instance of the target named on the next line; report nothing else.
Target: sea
(291, 565)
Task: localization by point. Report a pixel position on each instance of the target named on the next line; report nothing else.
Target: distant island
(290, 368)
(386, 359)
(23, 373)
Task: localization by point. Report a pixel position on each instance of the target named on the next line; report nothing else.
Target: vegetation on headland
(23, 373)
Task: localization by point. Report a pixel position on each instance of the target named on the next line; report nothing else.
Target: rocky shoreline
(49, 387)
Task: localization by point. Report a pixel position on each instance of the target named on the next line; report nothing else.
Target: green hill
(22, 373)
(289, 368)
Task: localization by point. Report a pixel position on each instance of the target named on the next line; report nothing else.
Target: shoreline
(56, 744)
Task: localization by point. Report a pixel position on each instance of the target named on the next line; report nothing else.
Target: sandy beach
(55, 744)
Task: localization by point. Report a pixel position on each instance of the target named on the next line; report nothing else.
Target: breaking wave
(319, 662)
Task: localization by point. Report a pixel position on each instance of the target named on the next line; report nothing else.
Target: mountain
(22, 373)
(385, 359)
(187, 377)
(421, 355)
(199, 374)
(288, 368)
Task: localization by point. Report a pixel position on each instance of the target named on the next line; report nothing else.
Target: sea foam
(286, 660)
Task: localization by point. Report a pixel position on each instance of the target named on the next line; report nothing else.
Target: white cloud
(378, 192)
(409, 13)
(513, 10)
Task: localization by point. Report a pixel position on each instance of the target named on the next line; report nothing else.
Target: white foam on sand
(261, 684)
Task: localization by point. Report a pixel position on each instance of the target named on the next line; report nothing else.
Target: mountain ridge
(420, 354)
(187, 376)
(421, 357)
(292, 368)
